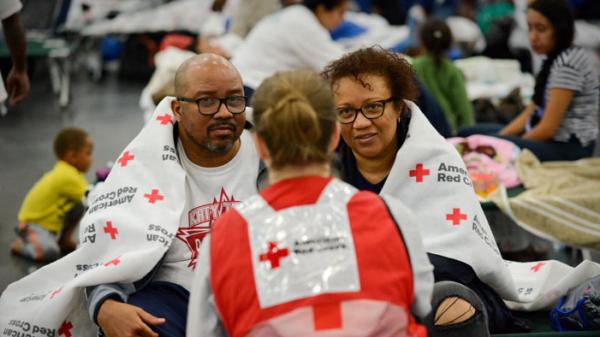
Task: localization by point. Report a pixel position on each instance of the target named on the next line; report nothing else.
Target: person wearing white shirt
(296, 37)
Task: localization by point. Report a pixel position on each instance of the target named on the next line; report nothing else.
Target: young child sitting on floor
(53, 206)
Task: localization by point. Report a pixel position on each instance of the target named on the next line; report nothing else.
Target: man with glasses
(221, 166)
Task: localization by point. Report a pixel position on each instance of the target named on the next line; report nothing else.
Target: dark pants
(164, 300)
(545, 151)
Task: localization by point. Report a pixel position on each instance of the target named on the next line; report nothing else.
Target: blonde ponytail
(294, 114)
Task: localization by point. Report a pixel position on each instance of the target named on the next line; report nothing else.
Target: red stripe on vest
(327, 316)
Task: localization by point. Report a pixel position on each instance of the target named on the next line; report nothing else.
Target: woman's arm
(556, 107)
(517, 126)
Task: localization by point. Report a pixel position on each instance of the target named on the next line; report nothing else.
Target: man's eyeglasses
(370, 110)
(209, 106)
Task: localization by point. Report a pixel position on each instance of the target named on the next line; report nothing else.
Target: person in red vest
(310, 255)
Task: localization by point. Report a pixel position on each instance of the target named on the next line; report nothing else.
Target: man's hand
(17, 86)
(118, 319)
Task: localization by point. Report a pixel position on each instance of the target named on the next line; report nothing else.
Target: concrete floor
(108, 110)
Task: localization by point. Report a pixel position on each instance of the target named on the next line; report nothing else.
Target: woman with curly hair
(390, 148)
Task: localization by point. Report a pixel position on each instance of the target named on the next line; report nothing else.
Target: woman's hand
(117, 319)
(517, 125)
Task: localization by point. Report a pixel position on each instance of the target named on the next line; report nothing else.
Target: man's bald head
(197, 64)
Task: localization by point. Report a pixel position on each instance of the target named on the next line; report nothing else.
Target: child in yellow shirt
(53, 206)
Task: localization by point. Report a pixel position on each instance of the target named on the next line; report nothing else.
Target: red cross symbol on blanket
(164, 119)
(418, 172)
(274, 254)
(153, 196)
(114, 262)
(55, 292)
(110, 230)
(456, 217)
(65, 329)
(125, 158)
(537, 266)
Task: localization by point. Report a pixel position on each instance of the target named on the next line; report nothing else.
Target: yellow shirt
(53, 196)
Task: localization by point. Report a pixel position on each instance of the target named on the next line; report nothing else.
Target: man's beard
(220, 148)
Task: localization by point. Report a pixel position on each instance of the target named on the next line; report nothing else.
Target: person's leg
(72, 218)
(35, 243)
(165, 300)
(457, 311)
(553, 150)
(490, 129)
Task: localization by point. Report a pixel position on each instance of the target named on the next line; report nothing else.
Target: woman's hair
(437, 38)
(561, 18)
(329, 4)
(396, 71)
(69, 139)
(294, 113)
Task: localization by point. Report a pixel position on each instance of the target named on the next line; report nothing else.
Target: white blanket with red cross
(429, 176)
(128, 227)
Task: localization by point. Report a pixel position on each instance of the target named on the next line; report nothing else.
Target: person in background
(53, 207)
(297, 37)
(561, 120)
(312, 254)
(17, 81)
(441, 77)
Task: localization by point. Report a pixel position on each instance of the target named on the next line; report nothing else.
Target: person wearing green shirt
(441, 77)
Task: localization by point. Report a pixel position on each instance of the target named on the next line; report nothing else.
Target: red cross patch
(113, 262)
(154, 196)
(164, 119)
(55, 292)
(125, 158)
(418, 172)
(456, 216)
(537, 267)
(110, 230)
(274, 254)
(65, 329)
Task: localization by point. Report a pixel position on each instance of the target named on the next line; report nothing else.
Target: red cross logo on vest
(419, 172)
(65, 329)
(153, 196)
(273, 255)
(110, 230)
(456, 217)
(114, 262)
(55, 292)
(125, 158)
(537, 266)
(164, 119)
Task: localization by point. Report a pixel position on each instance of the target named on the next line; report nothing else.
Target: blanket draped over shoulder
(429, 176)
(130, 223)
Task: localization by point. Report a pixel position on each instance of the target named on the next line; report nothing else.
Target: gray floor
(107, 110)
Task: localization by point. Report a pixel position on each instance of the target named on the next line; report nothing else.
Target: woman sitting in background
(312, 255)
(441, 77)
(561, 121)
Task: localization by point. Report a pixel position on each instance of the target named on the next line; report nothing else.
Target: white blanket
(127, 229)
(431, 179)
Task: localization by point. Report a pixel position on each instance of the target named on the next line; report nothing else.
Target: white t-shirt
(209, 193)
(7, 8)
(290, 39)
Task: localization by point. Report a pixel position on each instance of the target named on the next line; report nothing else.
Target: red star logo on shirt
(201, 220)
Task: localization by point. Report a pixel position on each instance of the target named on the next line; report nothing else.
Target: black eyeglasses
(209, 106)
(371, 110)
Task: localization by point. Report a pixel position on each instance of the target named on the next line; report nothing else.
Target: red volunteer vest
(382, 262)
